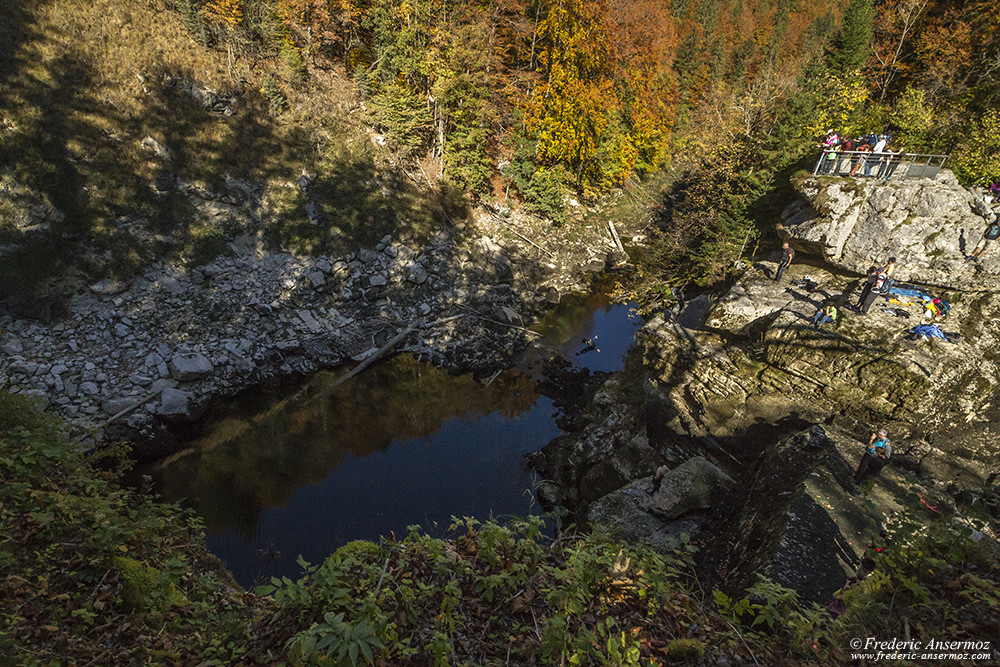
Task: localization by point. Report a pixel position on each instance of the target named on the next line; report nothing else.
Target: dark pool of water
(303, 470)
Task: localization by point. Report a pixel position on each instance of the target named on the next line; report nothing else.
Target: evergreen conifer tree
(851, 46)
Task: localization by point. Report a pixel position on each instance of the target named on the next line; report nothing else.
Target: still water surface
(295, 471)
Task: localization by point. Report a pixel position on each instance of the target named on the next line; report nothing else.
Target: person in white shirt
(876, 158)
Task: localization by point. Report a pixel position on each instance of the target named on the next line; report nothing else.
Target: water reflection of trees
(575, 313)
(251, 459)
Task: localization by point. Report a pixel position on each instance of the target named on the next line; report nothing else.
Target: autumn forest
(702, 109)
(546, 99)
(591, 92)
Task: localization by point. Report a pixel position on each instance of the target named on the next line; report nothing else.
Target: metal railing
(894, 166)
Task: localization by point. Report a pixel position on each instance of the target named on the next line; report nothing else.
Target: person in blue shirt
(876, 455)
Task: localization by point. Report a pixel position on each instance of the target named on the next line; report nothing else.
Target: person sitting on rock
(826, 314)
(876, 455)
(787, 254)
(991, 234)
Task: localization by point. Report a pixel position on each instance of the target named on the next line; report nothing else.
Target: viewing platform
(887, 165)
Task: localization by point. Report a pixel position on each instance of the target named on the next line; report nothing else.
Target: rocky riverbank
(128, 360)
(734, 387)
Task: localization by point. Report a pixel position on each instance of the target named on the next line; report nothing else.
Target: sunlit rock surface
(928, 225)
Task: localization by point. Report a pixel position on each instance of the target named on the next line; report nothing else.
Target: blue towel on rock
(928, 331)
(903, 291)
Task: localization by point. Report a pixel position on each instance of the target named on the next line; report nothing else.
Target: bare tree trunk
(909, 15)
(441, 142)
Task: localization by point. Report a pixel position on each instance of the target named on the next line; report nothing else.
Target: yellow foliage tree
(842, 98)
(974, 159)
(603, 107)
(225, 12)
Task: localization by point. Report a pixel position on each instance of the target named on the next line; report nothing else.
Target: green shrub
(276, 99)
(105, 564)
(525, 598)
(291, 58)
(685, 650)
(927, 576)
(145, 588)
(18, 411)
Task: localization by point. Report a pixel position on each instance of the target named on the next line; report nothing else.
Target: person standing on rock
(787, 254)
(883, 281)
(867, 293)
(991, 234)
(876, 455)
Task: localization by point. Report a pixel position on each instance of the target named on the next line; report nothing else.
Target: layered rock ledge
(741, 382)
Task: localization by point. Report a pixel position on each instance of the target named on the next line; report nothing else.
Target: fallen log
(616, 239)
(389, 344)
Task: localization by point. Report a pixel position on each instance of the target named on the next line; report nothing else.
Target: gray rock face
(928, 225)
(316, 278)
(160, 151)
(30, 210)
(185, 368)
(113, 406)
(696, 484)
(508, 315)
(176, 404)
(625, 515)
(771, 362)
(492, 259)
(695, 311)
(681, 504)
(208, 99)
(755, 520)
(108, 287)
(242, 365)
(747, 302)
(417, 275)
(251, 315)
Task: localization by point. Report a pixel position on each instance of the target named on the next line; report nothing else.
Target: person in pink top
(831, 140)
(829, 146)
